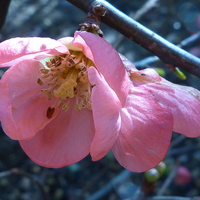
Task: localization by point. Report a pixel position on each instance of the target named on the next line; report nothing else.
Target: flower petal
(105, 107)
(22, 106)
(145, 76)
(67, 41)
(64, 141)
(106, 59)
(184, 102)
(128, 64)
(17, 48)
(145, 133)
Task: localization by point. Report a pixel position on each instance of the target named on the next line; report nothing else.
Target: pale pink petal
(6, 119)
(145, 133)
(106, 59)
(16, 48)
(64, 141)
(144, 77)
(107, 121)
(128, 64)
(22, 106)
(67, 41)
(183, 101)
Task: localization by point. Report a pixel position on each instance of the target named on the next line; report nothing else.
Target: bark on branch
(166, 51)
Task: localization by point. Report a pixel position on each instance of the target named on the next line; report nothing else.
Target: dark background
(174, 20)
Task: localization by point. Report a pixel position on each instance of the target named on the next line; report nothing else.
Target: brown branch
(184, 43)
(166, 51)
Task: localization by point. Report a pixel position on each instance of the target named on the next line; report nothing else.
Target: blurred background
(174, 20)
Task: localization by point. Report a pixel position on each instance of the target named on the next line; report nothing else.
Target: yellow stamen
(65, 77)
(66, 90)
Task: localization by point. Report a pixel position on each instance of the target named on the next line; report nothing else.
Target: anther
(39, 81)
(44, 71)
(66, 77)
(50, 112)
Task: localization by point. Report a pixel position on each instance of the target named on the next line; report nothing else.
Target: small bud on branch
(92, 21)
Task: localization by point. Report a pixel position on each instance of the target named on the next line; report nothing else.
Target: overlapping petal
(15, 49)
(107, 61)
(183, 101)
(64, 141)
(145, 133)
(107, 120)
(22, 106)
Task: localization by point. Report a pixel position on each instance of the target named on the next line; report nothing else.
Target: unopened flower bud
(152, 175)
(182, 176)
(161, 167)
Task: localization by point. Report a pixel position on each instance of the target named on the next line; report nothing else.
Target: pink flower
(65, 99)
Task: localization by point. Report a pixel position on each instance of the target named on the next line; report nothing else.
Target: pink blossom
(69, 98)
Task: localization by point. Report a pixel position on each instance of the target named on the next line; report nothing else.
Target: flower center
(65, 78)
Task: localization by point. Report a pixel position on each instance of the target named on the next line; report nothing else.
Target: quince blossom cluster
(65, 99)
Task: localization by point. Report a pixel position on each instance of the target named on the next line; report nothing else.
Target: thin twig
(167, 181)
(190, 40)
(107, 188)
(136, 16)
(166, 51)
(18, 172)
(146, 62)
(181, 150)
(178, 140)
(149, 5)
